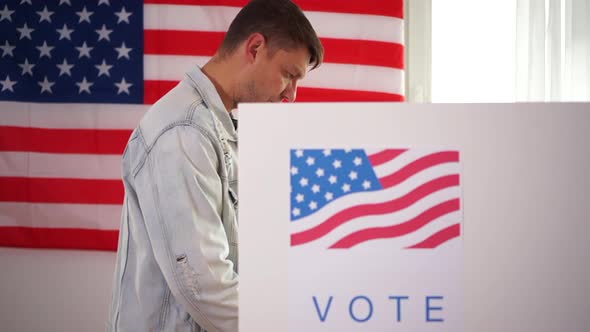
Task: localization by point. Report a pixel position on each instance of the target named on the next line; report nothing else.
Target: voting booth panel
(401, 217)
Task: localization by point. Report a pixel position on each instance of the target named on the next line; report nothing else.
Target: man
(177, 262)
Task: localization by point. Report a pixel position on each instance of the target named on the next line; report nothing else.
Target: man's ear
(254, 44)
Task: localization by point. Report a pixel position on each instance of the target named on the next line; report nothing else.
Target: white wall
(418, 50)
(54, 290)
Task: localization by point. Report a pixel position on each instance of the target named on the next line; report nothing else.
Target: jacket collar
(198, 80)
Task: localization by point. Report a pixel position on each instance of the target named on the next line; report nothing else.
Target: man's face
(274, 78)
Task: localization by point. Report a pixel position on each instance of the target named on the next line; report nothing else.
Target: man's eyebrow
(297, 71)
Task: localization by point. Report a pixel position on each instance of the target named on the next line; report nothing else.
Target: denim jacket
(177, 261)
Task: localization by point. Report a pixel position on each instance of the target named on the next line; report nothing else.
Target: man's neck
(220, 75)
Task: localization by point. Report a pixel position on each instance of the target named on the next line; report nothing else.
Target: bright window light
(473, 51)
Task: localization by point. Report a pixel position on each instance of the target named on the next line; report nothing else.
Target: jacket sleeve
(182, 187)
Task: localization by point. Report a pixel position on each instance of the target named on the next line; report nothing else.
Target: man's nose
(290, 93)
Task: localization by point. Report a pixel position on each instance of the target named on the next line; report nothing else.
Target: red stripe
(54, 190)
(154, 90)
(174, 42)
(392, 8)
(305, 94)
(384, 156)
(59, 238)
(394, 205)
(86, 141)
(439, 238)
(398, 230)
(364, 52)
(419, 165)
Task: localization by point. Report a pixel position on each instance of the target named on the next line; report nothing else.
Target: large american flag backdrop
(76, 77)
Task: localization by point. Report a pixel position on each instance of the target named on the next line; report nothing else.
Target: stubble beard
(251, 91)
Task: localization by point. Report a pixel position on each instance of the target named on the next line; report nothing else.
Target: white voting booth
(402, 217)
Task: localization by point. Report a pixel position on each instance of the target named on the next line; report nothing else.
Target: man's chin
(264, 101)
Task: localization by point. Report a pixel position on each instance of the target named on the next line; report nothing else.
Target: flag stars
(345, 188)
(299, 198)
(64, 32)
(84, 15)
(25, 32)
(123, 86)
(22, 2)
(123, 16)
(45, 50)
(6, 14)
(324, 176)
(64, 68)
(104, 33)
(45, 15)
(7, 84)
(103, 69)
(315, 188)
(296, 212)
(104, 2)
(84, 51)
(313, 205)
(84, 86)
(123, 51)
(332, 179)
(27, 67)
(67, 2)
(46, 86)
(7, 49)
(337, 164)
(319, 172)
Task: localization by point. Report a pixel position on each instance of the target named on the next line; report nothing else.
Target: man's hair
(281, 22)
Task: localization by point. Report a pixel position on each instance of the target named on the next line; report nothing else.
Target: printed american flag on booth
(341, 198)
(76, 77)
